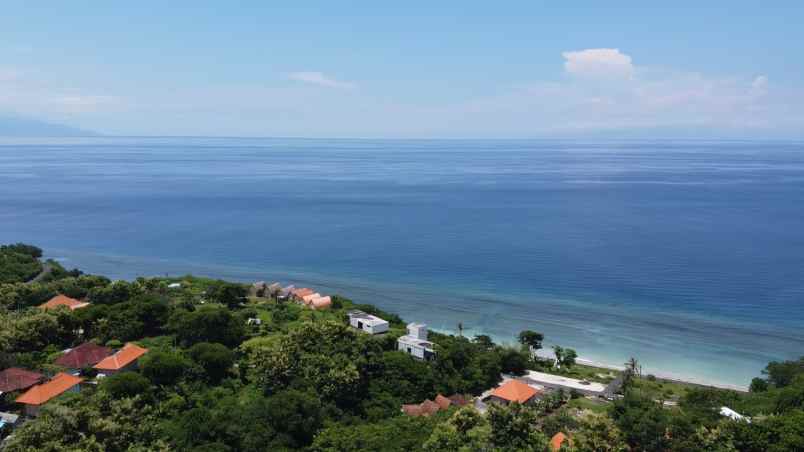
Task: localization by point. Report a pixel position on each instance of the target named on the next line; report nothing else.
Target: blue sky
(407, 69)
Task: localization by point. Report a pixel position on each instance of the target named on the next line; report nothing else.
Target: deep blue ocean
(688, 255)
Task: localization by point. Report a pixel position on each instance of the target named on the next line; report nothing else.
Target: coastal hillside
(19, 263)
(197, 364)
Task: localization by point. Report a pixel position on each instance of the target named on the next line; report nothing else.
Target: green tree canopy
(215, 359)
(783, 373)
(228, 294)
(207, 324)
(531, 339)
(643, 421)
(163, 368)
(19, 263)
(125, 384)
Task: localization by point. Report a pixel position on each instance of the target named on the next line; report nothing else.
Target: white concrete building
(733, 415)
(366, 322)
(415, 343)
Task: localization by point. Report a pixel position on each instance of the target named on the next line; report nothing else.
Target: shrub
(125, 384)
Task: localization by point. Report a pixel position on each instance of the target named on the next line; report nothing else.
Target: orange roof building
(125, 359)
(321, 302)
(63, 300)
(514, 391)
(412, 409)
(40, 394)
(458, 400)
(429, 407)
(303, 292)
(443, 402)
(558, 440)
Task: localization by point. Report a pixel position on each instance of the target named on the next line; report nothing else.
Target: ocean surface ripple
(688, 255)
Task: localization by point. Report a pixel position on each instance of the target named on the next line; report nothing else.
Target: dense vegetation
(19, 263)
(212, 381)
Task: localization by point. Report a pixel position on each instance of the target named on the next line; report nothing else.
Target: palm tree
(632, 370)
(559, 352)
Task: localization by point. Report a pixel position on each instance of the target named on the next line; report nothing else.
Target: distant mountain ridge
(16, 126)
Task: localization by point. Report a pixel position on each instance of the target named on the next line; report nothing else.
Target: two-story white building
(415, 343)
(366, 322)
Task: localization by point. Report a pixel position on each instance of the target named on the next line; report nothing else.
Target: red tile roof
(429, 407)
(515, 391)
(303, 292)
(62, 300)
(14, 379)
(58, 385)
(86, 354)
(125, 356)
(321, 302)
(557, 440)
(458, 400)
(443, 402)
(412, 410)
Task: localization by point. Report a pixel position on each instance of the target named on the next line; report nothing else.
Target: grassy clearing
(661, 389)
(594, 405)
(584, 372)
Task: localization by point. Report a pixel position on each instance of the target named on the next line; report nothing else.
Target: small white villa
(415, 343)
(366, 322)
(733, 415)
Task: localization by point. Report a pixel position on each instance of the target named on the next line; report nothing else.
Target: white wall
(369, 326)
(379, 327)
(415, 351)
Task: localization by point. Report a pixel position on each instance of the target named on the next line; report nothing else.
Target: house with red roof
(320, 302)
(429, 407)
(38, 395)
(63, 300)
(16, 379)
(514, 391)
(85, 355)
(558, 440)
(125, 359)
(299, 294)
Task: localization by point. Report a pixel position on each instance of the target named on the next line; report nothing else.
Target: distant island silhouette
(18, 126)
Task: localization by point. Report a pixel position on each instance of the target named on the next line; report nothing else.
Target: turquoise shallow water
(687, 255)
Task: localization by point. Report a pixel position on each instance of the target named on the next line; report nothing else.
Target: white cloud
(608, 91)
(598, 63)
(605, 90)
(319, 78)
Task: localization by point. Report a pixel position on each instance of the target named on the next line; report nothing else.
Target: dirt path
(46, 269)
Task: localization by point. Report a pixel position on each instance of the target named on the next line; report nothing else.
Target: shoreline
(660, 375)
(670, 377)
(246, 274)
